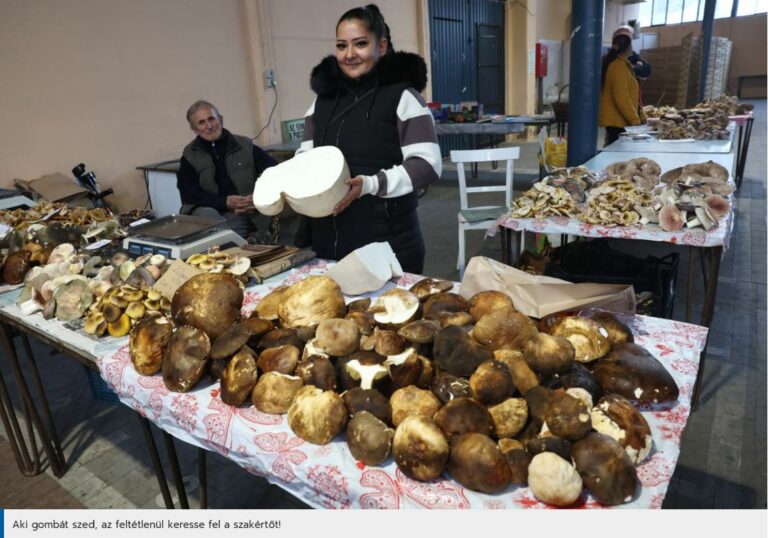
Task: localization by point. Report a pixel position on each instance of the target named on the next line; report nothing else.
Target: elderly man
(218, 171)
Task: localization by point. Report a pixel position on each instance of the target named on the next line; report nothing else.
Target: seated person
(218, 171)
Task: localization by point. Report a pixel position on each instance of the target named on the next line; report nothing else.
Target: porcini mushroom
(274, 392)
(337, 337)
(605, 469)
(553, 480)
(210, 302)
(395, 308)
(317, 416)
(369, 439)
(485, 302)
(463, 415)
(148, 339)
(310, 301)
(504, 328)
(283, 359)
(491, 383)
(419, 448)
(413, 401)
(239, 377)
(185, 358)
(477, 463)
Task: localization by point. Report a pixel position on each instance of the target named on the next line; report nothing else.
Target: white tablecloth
(329, 477)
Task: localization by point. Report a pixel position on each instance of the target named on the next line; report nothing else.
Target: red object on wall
(541, 60)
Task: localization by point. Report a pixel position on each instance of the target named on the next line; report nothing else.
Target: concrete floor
(723, 457)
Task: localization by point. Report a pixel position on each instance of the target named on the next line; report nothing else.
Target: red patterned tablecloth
(329, 477)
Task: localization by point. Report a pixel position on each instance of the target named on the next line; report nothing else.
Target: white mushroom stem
(399, 309)
(399, 359)
(366, 373)
(311, 349)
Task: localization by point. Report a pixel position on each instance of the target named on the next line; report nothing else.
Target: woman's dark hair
(620, 45)
(373, 20)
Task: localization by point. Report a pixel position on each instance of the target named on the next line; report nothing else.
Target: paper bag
(538, 296)
(366, 269)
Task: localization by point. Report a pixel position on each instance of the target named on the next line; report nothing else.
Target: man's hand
(240, 205)
(355, 188)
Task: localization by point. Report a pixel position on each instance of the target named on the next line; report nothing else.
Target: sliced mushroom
(404, 368)
(365, 373)
(395, 308)
(427, 287)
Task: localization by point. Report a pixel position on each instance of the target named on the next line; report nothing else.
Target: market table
(744, 124)
(624, 144)
(327, 476)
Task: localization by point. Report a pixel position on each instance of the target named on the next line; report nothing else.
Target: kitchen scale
(11, 199)
(180, 236)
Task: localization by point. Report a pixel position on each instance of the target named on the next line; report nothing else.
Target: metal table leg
(202, 475)
(175, 470)
(155, 457)
(742, 148)
(28, 465)
(689, 293)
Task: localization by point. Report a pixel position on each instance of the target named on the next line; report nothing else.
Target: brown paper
(176, 275)
(539, 296)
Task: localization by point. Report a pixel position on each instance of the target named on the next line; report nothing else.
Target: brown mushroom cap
(427, 287)
(388, 343)
(282, 359)
(369, 439)
(419, 448)
(147, 342)
(485, 302)
(267, 307)
(504, 329)
(337, 337)
(413, 401)
(317, 416)
(258, 327)
(317, 371)
(509, 416)
(463, 415)
(16, 266)
(281, 337)
(491, 383)
(422, 331)
(671, 219)
(523, 377)
(427, 373)
(359, 305)
(345, 380)
(631, 371)
(568, 417)
(554, 480)
(577, 376)
(404, 368)
(618, 332)
(605, 469)
(456, 353)
(616, 417)
(518, 460)
(230, 341)
(239, 377)
(589, 338)
(370, 400)
(119, 328)
(215, 368)
(72, 299)
(549, 443)
(448, 387)
(547, 355)
(209, 301)
(185, 357)
(310, 301)
(274, 392)
(448, 309)
(477, 463)
(364, 321)
(111, 312)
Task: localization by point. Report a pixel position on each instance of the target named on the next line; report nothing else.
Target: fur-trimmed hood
(393, 68)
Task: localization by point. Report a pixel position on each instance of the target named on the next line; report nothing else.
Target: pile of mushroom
(216, 261)
(643, 172)
(696, 123)
(616, 202)
(77, 216)
(542, 201)
(438, 382)
(576, 180)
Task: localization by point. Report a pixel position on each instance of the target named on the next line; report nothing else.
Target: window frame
(699, 13)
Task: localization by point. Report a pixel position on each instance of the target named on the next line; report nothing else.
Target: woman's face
(357, 49)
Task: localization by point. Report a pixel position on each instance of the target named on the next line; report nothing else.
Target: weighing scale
(180, 236)
(11, 199)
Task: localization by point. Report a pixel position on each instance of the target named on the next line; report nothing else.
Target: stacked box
(688, 72)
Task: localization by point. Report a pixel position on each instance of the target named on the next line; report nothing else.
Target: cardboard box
(52, 187)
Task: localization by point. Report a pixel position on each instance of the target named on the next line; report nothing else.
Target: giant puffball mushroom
(239, 377)
(477, 463)
(72, 300)
(547, 355)
(504, 329)
(147, 342)
(616, 417)
(605, 469)
(671, 219)
(568, 417)
(267, 307)
(209, 301)
(419, 448)
(618, 332)
(364, 321)
(589, 338)
(230, 341)
(509, 417)
(448, 387)
(257, 327)
(346, 381)
(413, 401)
(631, 371)
(281, 337)
(427, 287)
(718, 206)
(16, 267)
(463, 415)
(310, 301)
(370, 400)
(457, 353)
(395, 308)
(422, 331)
(359, 305)
(369, 439)
(282, 359)
(448, 309)
(388, 343)
(404, 368)
(491, 383)
(523, 377)
(317, 416)
(274, 392)
(554, 480)
(317, 371)
(549, 443)
(337, 337)
(185, 357)
(485, 302)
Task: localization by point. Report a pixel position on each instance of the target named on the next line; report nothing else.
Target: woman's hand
(355, 189)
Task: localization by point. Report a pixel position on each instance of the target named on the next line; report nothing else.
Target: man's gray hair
(200, 103)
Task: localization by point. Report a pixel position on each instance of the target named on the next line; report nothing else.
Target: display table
(329, 477)
(671, 146)
(744, 124)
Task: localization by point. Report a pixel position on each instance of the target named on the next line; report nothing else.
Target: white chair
(481, 217)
